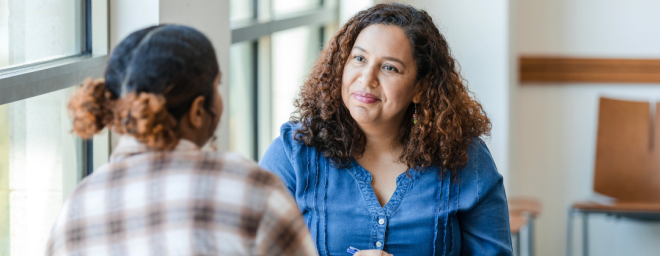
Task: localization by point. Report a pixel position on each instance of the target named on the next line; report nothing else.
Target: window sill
(32, 80)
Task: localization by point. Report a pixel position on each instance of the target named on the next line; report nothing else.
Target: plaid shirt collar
(129, 146)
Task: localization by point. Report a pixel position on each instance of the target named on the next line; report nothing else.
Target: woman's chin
(364, 115)
(363, 119)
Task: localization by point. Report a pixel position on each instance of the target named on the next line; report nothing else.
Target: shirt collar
(129, 146)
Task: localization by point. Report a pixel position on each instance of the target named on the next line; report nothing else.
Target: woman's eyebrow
(396, 60)
(386, 57)
(360, 48)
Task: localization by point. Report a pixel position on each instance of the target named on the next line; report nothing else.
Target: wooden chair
(529, 209)
(516, 223)
(522, 213)
(627, 165)
(525, 205)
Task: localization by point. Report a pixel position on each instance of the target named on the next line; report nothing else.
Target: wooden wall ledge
(582, 70)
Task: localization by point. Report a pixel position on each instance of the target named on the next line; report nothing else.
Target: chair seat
(516, 222)
(519, 205)
(621, 207)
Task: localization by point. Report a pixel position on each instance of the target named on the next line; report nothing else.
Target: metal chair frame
(649, 216)
(529, 226)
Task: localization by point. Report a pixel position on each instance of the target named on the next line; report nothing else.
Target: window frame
(258, 30)
(34, 79)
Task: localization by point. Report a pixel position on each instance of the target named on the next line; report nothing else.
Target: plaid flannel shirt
(183, 202)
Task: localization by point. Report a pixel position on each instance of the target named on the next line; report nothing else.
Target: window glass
(287, 6)
(283, 60)
(241, 99)
(39, 167)
(241, 10)
(294, 51)
(38, 30)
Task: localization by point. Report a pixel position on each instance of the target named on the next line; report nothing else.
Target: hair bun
(145, 117)
(91, 108)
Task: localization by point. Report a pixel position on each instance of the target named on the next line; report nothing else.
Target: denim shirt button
(379, 244)
(381, 221)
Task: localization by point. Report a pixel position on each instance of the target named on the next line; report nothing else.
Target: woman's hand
(372, 253)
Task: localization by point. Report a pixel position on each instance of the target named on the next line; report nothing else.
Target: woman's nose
(369, 77)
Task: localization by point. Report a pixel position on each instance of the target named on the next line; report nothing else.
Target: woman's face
(379, 80)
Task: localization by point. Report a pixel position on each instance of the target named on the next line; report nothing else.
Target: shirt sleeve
(485, 222)
(278, 161)
(282, 230)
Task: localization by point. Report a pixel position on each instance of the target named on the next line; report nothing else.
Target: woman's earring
(415, 115)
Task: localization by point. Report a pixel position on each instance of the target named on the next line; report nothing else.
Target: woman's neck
(381, 139)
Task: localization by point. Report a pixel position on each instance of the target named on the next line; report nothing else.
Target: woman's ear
(421, 87)
(197, 112)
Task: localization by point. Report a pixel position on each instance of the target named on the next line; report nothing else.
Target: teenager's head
(160, 86)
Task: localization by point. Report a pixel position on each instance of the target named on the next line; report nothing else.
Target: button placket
(382, 229)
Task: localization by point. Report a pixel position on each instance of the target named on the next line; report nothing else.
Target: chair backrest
(627, 152)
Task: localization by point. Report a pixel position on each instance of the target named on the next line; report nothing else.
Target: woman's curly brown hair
(449, 118)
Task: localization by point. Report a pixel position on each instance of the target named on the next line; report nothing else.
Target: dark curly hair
(449, 118)
(151, 80)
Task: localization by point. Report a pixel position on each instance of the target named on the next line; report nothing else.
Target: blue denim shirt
(428, 214)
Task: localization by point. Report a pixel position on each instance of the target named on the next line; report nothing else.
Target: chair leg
(530, 236)
(569, 233)
(585, 234)
(518, 244)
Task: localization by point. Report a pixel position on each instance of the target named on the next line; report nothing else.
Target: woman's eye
(359, 58)
(391, 68)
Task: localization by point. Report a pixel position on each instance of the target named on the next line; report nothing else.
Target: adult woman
(161, 195)
(384, 153)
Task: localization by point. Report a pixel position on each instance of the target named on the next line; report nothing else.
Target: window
(294, 51)
(38, 30)
(241, 10)
(274, 46)
(38, 169)
(288, 6)
(241, 107)
(46, 49)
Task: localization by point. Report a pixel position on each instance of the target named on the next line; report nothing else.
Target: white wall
(211, 17)
(348, 8)
(127, 16)
(554, 146)
(479, 37)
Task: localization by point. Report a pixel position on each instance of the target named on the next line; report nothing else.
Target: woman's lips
(365, 97)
